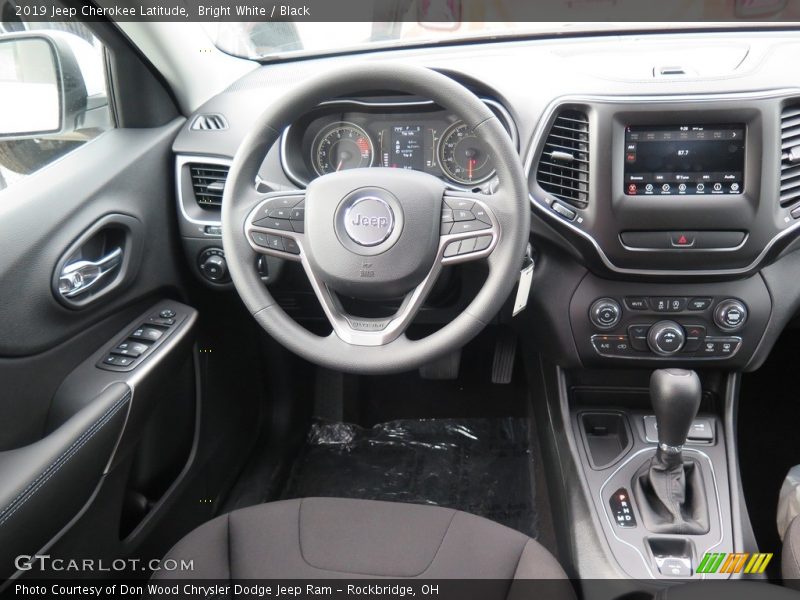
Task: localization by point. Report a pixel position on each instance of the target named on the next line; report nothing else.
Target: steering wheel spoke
(370, 331)
(276, 226)
(469, 227)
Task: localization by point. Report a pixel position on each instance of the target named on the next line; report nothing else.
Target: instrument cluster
(404, 134)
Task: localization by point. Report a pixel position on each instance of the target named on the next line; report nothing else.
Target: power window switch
(145, 332)
(132, 349)
(117, 361)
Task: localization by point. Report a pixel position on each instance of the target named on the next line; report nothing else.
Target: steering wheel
(375, 233)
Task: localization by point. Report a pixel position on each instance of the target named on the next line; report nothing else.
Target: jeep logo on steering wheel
(369, 221)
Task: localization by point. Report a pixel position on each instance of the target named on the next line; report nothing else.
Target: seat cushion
(790, 555)
(338, 537)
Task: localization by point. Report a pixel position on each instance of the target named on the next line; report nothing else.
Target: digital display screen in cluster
(690, 160)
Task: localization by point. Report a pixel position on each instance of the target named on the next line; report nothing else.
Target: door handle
(82, 276)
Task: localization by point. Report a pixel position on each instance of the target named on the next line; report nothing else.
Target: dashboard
(666, 208)
(398, 133)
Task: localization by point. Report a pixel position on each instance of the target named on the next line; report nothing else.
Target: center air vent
(208, 183)
(563, 169)
(790, 155)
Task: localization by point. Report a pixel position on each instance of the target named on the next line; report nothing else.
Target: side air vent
(208, 182)
(211, 122)
(563, 167)
(790, 155)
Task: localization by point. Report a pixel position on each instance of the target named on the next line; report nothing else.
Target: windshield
(275, 40)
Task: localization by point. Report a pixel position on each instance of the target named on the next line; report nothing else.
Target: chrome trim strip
(541, 131)
(511, 127)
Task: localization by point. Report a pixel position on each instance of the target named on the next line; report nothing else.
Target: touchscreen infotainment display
(683, 160)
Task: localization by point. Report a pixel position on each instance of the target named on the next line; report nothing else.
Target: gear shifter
(670, 489)
(675, 395)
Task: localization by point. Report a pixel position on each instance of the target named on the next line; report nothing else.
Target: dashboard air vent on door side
(790, 155)
(208, 183)
(563, 168)
(209, 122)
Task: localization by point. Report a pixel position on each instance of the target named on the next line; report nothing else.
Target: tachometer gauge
(341, 146)
(463, 156)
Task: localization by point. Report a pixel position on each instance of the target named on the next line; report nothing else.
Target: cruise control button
(445, 228)
(447, 215)
(463, 215)
(297, 214)
(466, 226)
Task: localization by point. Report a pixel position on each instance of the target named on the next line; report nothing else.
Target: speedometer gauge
(463, 156)
(341, 146)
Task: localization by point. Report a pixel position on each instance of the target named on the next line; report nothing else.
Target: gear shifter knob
(675, 394)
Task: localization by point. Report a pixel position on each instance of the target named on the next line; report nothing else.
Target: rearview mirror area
(42, 87)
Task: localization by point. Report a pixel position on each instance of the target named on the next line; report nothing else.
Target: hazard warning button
(682, 239)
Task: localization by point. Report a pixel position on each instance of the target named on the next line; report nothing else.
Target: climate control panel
(661, 322)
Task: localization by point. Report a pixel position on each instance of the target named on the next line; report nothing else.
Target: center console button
(636, 303)
(668, 304)
(638, 337)
(730, 314)
(605, 313)
(666, 338)
(699, 303)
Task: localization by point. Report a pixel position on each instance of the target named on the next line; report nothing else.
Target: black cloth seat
(339, 538)
(790, 555)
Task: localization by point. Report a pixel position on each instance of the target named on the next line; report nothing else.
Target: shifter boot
(672, 498)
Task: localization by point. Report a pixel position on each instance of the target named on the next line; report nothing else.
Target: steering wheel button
(463, 215)
(278, 224)
(445, 228)
(452, 248)
(280, 213)
(447, 215)
(298, 226)
(291, 246)
(483, 242)
(260, 239)
(467, 246)
(275, 242)
(282, 202)
(466, 226)
(297, 214)
(481, 215)
(459, 203)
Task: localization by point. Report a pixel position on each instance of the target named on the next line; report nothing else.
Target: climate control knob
(605, 313)
(730, 314)
(665, 338)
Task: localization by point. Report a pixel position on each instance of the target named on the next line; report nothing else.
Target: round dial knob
(214, 267)
(666, 338)
(605, 313)
(730, 314)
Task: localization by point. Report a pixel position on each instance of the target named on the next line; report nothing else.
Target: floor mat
(480, 466)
